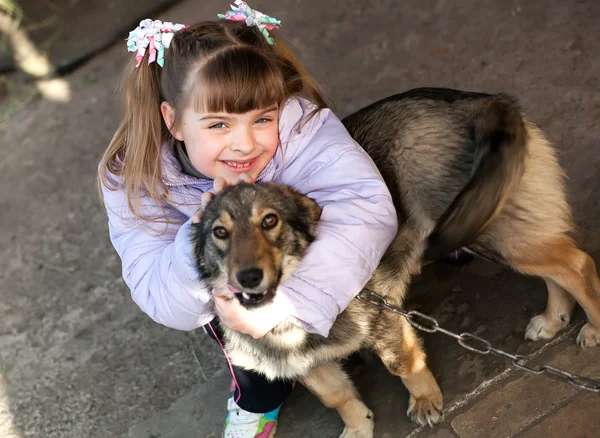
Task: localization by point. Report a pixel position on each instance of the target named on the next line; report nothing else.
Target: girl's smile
(242, 166)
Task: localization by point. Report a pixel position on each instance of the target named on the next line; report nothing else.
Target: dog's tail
(500, 138)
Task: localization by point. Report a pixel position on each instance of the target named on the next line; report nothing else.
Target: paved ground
(72, 31)
(78, 359)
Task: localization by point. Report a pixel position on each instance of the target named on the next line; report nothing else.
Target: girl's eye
(220, 232)
(270, 221)
(217, 126)
(263, 120)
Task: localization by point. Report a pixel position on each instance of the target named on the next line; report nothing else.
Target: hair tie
(152, 35)
(243, 12)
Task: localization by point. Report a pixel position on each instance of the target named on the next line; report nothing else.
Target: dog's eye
(270, 221)
(220, 232)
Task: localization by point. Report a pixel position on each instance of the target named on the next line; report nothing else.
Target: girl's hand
(255, 323)
(219, 184)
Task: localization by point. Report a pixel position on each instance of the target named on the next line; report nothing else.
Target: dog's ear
(306, 218)
(314, 211)
(308, 205)
(198, 242)
(206, 270)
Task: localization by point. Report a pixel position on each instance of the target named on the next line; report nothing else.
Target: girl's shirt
(319, 159)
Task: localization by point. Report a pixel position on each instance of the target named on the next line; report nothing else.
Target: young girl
(222, 99)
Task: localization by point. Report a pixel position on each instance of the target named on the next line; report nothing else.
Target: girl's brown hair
(215, 66)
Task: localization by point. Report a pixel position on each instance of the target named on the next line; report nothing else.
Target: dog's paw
(545, 327)
(425, 410)
(353, 433)
(366, 432)
(363, 424)
(589, 336)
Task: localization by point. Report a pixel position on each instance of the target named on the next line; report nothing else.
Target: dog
(470, 171)
(467, 172)
(252, 237)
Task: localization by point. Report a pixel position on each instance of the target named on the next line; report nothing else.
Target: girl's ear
(168, 115)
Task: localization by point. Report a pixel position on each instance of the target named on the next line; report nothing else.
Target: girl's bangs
(237, 80)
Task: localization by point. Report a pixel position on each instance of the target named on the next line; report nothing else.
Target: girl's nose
(243, 139)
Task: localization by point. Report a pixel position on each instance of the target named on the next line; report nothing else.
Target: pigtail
(134, 154)
(298, 80)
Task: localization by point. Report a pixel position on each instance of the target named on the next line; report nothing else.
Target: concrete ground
(78, 358)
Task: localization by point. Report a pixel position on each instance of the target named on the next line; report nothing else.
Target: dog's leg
(404, 357)
(335, 389)
(555, 318)
(573, 270)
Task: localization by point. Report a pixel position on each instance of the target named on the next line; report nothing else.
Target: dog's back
(450, 158)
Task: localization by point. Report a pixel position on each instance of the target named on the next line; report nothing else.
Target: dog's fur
(466, 170)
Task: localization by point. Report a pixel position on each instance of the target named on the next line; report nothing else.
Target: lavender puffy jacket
(322, 161)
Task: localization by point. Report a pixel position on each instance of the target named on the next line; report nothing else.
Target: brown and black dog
(466, 171)
(251, 238)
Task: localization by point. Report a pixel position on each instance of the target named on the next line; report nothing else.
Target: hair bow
(243, 12)
(154, 36)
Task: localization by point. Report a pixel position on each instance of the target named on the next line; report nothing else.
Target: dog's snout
(250, 278)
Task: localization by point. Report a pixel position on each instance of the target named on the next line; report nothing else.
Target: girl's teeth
(234, 164)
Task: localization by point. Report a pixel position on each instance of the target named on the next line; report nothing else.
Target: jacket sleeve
(158, 265)
(357, 224)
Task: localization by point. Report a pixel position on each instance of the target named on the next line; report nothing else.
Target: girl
(232, 100)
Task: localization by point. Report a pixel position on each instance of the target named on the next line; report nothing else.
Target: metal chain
(477, 344)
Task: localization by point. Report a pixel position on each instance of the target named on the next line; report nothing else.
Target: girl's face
(226, 145)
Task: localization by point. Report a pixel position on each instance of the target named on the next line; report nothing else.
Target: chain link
(476, 344)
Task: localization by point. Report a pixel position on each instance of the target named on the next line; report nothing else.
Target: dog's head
(251, 237)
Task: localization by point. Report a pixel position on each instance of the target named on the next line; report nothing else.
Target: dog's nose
(250, 278)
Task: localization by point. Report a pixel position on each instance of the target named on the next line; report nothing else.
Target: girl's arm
(357, 225)
(158, 265)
